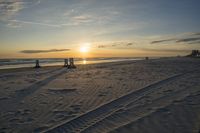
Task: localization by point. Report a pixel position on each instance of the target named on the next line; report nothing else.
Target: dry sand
(149, 96)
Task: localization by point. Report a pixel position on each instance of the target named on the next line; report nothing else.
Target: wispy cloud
(196, 42)
(196, 33)
(19, 23)
(116, 45)
(82, 18)
(165, 50)
(43, 51)
(188, 39)
(75, 16)
(69, 12)
(134, 46)
(129, 44)
(9, 8)
(161, 41)
(74, 21)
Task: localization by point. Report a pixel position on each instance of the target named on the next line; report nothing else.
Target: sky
(98, 28)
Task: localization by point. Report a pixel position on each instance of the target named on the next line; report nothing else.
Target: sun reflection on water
(84, 61)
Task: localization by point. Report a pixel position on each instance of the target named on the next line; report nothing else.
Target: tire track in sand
(88, 119)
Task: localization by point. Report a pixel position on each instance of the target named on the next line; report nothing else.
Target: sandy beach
(146, 96)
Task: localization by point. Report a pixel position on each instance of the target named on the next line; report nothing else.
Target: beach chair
(71, 63)
(37, 64)
(66, 64)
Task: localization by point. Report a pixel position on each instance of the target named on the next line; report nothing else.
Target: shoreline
(59, 63)
(78, 65)
(62, 66)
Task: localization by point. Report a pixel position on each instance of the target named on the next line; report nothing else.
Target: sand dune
(159, 95)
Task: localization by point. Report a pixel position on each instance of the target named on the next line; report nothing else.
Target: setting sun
(84, 48)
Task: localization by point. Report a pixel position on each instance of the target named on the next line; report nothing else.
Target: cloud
(10, 8)
(196, 42)
(124, 46)
(102, 46)
(161, 41)
(82, 18)
(77, 15)
(129, 44)
(37, 2)
(134, 46)
(196, 33)
(69, 12)
(116, 45)
(165, 50)
(88, 19)
(19, 23)
(74, 16)
(43, 51)
(74, 21)
(188, 39)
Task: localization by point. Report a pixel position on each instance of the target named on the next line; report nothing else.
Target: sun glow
(84, 48)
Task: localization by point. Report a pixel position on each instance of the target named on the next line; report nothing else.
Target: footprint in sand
(165, 111)
(167, 91)
(22, 120)
(28, 120)
(76, 107)
(31, 80)
(23, 112)
(26, 112)
(103, 93)
(14, 120)
(40, 129)
(6, 88)
(62, 115)
(4, 130)
(4, 98)
(190, 100)
(61, 91)
(175, 102)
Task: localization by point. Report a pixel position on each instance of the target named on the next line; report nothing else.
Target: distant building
(195, 53)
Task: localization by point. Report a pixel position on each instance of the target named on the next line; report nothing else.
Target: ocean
(19, 63)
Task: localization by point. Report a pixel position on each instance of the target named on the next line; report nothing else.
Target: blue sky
(126, 27)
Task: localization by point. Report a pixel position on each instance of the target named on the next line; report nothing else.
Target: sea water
(19, 63)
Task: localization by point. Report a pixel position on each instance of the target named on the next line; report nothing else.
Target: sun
(84, 48)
